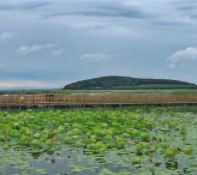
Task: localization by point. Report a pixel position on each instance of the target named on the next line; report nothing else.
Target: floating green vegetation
(127, 142)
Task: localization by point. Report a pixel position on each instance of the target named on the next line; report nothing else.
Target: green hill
(120, 82)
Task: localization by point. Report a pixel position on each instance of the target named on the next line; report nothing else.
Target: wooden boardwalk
(83, 100)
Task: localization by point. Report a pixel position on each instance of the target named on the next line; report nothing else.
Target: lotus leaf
(37, 135)
(145, 136)
(171, 153)
(120, 143)
(137, 160)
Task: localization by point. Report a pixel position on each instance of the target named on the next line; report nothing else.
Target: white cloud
(25, 50)
(97, 57)
(22, 5)
(49, 46)
(31, 84)
(5, 36)
(58, 52)
(23, 83)
(182, 57)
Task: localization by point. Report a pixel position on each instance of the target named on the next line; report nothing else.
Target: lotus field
(98, 142)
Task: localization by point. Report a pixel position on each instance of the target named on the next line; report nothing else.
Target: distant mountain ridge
(121, 82)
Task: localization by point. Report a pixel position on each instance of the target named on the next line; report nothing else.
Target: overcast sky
(50, 43)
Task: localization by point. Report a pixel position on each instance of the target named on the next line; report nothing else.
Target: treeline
(116, 82)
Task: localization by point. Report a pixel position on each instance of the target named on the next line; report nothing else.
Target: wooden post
(64, 99)
(19, 98)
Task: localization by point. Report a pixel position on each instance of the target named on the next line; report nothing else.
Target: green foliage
(118, 82)
(120, 142)
(152, 170)
(171, 153)
(137, 160)
(132, 140)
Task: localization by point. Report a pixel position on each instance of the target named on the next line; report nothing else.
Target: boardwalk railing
(95, 99)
